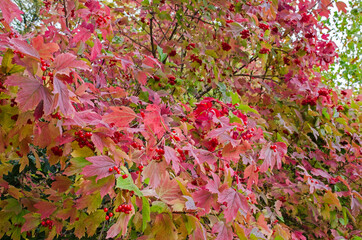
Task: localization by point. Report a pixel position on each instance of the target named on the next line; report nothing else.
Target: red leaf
(82, 34)
(170, 156)
(64, 61)
(23, 47)
(235, 201)
(31, 222)
(224, 231)
(270, 157)
(341, 6)
(204, 199)
(142, 77)
(153, 120)
(169, 191)
(63, 98)
(252, 176)
(10, 11)
(99, 168)
(45, 50)
(45, 208)
(155, 171)
(121, 116)
(32, 92)
(96, 49)
(120, 226)
(61, 184)
(213, 185)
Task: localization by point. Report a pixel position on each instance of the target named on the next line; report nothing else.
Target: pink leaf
(64, 61)
(270, 157)
(171, 157)
(204, 199)
(23, 47)
(341, 6)
(81, 34)
(153, 120)
(45, 208)
(224, 231)
(45, 50)
(31, 222)
(142, 77)
(169, 191)
(31, 93)
(62, 93)
(10, 11)
(121, 116)
(213, 185)
(235, 201)
(120, 226)
(99, 168)
(96, 50)
(155, 171)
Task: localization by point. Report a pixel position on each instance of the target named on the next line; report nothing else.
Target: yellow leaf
(331, 198)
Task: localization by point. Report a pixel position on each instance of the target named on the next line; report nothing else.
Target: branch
(139, 44)
(151, 37)
(65, 13)
(200, 94)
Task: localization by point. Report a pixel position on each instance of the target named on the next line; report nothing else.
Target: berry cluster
(324, 92)
(13, 103)
(225, 46)
(264, 51)
(274, 147)
(340, 108)
(195, 58)
(182, 154)
(46, 4)
(136, 145)
(125, 208)
(56, 115)
(116, 137)
(47, 223)
(109, 215)
(13, 35)
(245, 34)
(83, 139)
(156, 78)
(174, 136)
(20, 54)
(140, 169)
(248, 134)
(191, 46)
(309, 100)
(160, 152)
(44, 65)
(264, 26)
(171, 80)
(57, 151)
(102, 20)
(172, 53)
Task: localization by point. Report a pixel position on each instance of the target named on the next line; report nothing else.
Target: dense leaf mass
(176, 120)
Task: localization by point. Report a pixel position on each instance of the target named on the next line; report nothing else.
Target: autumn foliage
(176, 120)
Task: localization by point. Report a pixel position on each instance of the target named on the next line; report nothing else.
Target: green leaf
(159, 207)
(6, 64)
(128, 183)
(246, 109)
(162, 56)
(341, 121)
(325, 113)
(146, 213)
(211, 53)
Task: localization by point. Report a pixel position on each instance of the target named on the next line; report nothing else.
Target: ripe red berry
(225, 46)
(105, 209)
(124, 176)
(107, 218)
(43, 68)
(172, 53)
(110, 214)
(110, 169)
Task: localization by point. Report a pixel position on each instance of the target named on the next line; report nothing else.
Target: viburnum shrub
(176, 120)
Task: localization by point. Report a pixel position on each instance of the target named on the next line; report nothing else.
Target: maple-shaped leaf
(213, 185)
(62, 95)
(80, 225)
(63, 62)
(120, 226)
(201, 155)
(10, 11)
(262, 223)
(121, 116)
(32, 221)
(252, 176)
(82, 34)
(68, 211)
(155, 172)
(223, 230)
(235, 201)
(45, 50)
(153, 120)
(332, 198)
(128, 184)
(271, 157)
(90, 201)
(31, 93)
(61, 184)
(142, 77)
(199, 232)
(93, 221)
(96, 49)
(171, 157)
(205, 200)
(100, 166)
(233, 153)
(45, 208)
(24, 47)
(164, 228)
(169, 191)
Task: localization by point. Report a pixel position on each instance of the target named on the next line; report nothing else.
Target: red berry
(43, 68)
(115, 168)
(225, 46)
(105, 209)
(50, 74)
(110, 214)
(107, 218)
(124, 176)
(43, 223)
(110, 169)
